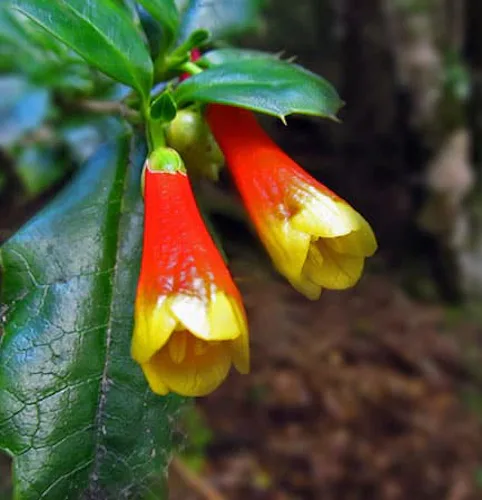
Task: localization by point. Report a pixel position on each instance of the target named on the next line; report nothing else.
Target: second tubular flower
(190, 324)
(315, 239)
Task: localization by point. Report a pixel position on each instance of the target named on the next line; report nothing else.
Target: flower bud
(162, 160)
(189, 134)
(165, 160)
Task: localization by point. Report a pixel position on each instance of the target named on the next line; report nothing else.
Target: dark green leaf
(164, 108)
(43, 39)
(197, 39)
(75, 410)
(166, 14)
(266, 85)
(39, 167)
(18, 52)
(220, 17)
(13, 32)
(101, 32)
(28, 49)
(223, 56)
(153, 32)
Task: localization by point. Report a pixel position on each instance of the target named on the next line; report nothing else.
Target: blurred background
(369, 394)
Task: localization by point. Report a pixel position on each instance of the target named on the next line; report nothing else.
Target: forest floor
(363, 395)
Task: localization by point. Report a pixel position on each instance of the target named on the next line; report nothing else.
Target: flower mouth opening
(184, 347)
(188, 365)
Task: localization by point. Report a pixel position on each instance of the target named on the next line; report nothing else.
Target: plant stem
(155, 135)
(191, 68)
(195, 482)
(108, 108)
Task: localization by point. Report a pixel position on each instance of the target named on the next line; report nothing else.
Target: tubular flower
(315, 239)
(190, 325)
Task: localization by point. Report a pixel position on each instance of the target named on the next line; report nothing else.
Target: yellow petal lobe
(154, 379)
(331, 269)
(197, 375)
(324, 217)
(153, 325)
(222, 318)
(287, 246)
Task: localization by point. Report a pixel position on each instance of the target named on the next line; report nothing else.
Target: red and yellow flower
(190, 324)
(315, 238)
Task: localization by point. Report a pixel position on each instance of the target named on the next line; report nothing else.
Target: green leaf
(163, 108)
(39, 168)
(266, 85)
(220, 17)
(43, 39)
(26, 48)
(223, 56)
(75, 410)
(196, 39)
(18, 52)
(166, 14)
(12, 31)
(101, 32)
(152, 31)
(23, 107)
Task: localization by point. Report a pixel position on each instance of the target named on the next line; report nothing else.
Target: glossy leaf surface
(75, 410)
(223, 56)
(165, 13)
(266, 85)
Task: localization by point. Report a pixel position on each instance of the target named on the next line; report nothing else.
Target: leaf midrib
(103, 382)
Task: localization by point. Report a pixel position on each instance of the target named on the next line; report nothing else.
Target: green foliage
(38, 167)
(101, 32)
(13, 35)
(223, 56)
(266, 85)
(165, 13)
(198, 438)
(73, 406)
(163, 108)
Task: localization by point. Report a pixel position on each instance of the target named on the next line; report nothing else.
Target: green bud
(165, 160)
(162, 160)
(189, 134)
